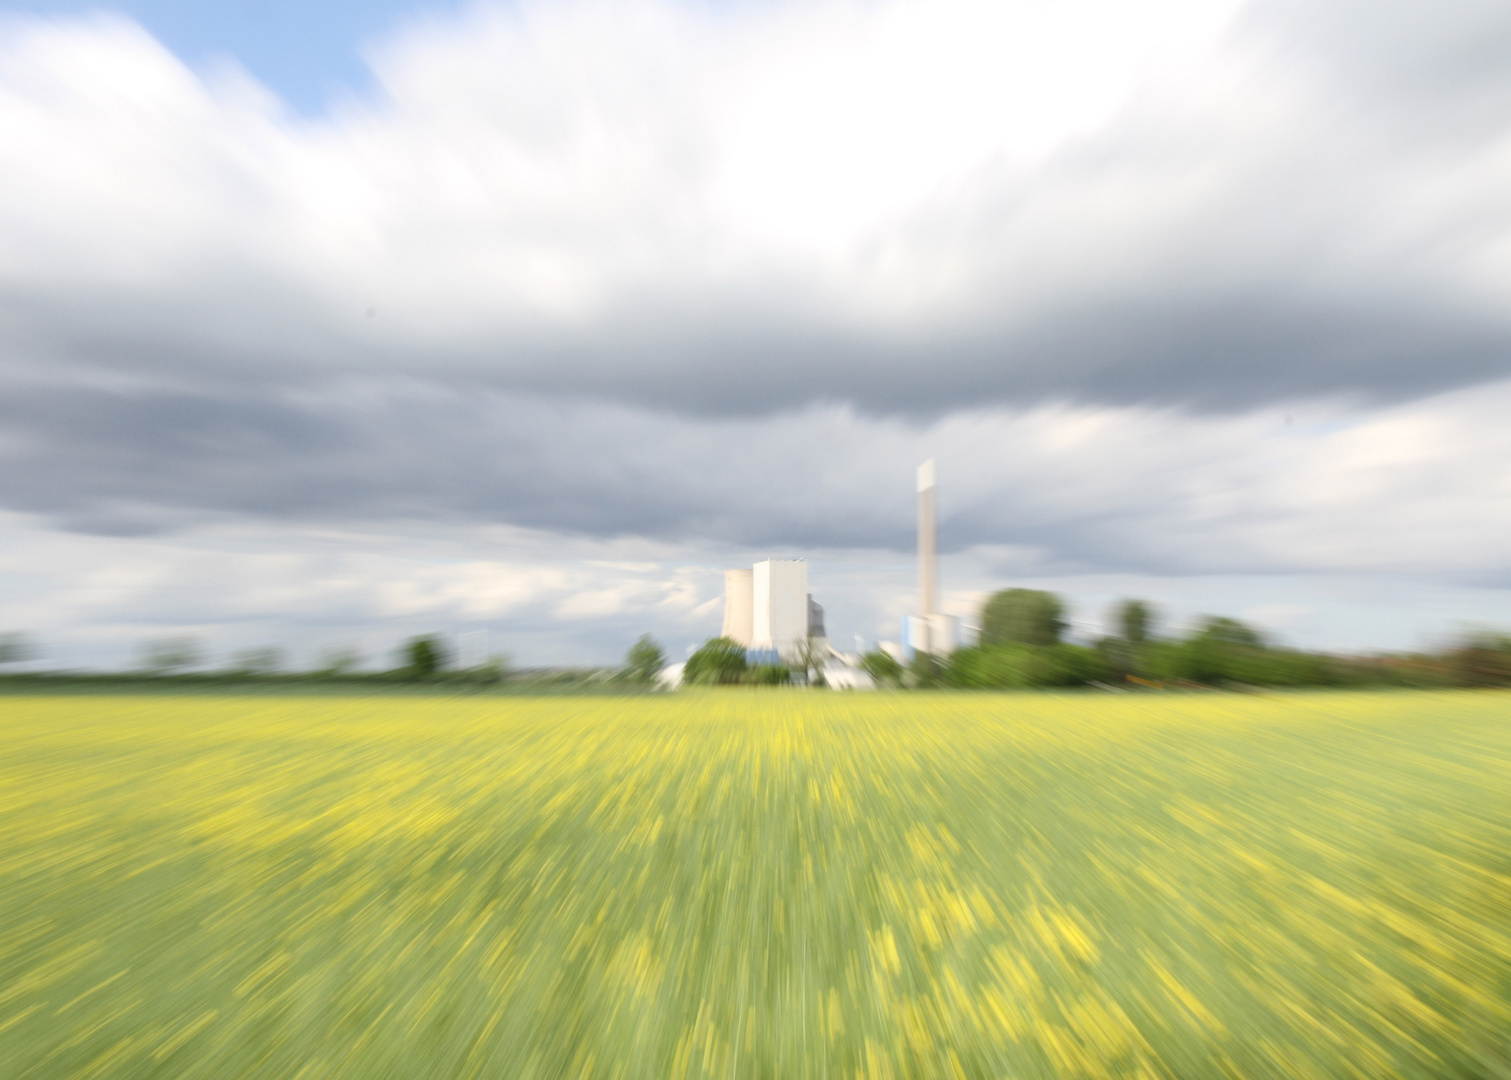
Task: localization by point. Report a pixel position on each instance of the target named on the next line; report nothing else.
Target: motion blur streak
(761, 884)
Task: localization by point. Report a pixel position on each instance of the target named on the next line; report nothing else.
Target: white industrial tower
(766, 608)
(928, 631)
(926, 555)
(781, 606)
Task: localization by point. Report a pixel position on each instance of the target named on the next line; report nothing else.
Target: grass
(756, 884)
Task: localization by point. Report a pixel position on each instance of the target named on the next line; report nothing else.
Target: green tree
(924, 672)
(1125, 652)
(719, 662)
(882, 668)
(1022, 616)
(768, 675)
(644, 661)
(424, 656)
(1135, 621)
(1221, 650)
(1229, 632)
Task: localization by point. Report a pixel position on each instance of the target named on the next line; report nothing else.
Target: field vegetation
(756, 883)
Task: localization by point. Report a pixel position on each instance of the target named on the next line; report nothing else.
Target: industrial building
(769, 610)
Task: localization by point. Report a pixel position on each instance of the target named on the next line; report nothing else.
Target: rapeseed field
(756, 884)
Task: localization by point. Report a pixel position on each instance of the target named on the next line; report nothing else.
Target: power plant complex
(769, 610)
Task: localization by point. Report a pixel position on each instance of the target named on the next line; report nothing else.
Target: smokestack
(926, 580)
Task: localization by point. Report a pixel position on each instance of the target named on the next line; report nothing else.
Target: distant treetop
(1134, 620)
(1022, 616)
(424, 656)
(720, 661)
(644, 661)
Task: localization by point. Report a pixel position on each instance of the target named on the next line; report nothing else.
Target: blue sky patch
(303, 52)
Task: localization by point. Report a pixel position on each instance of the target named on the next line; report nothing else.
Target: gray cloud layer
(1418, 488)
(636, 270)
(1314, 202)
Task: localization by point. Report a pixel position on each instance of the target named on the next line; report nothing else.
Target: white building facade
(779, 621)
(768, 610)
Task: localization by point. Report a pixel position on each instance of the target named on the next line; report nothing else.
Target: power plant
(769, 610)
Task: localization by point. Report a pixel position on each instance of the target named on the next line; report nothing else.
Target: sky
(325, 325)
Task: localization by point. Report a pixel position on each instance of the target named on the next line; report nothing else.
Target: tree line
(1022, 645)
(422, 660)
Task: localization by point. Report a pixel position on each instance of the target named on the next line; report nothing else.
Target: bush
(720, 662)
(644, 661)
(882, 667)
(925, 671)
(1483, 660)
(424, 656)
(1224, 651)
(1023, 667)
(768, 675)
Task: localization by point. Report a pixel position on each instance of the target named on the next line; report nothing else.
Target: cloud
(1174, 291)
(1416, 488)
(546, 598)
(907, 207)
(1406, 55)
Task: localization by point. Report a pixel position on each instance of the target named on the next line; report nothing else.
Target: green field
(756, 884)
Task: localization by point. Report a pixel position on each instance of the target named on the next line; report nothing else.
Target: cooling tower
(739, 606)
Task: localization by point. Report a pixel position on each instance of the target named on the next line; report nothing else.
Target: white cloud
(93, 600)
(719, 278)
(653, 198)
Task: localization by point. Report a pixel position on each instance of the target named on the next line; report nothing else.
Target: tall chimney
(926, 579)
